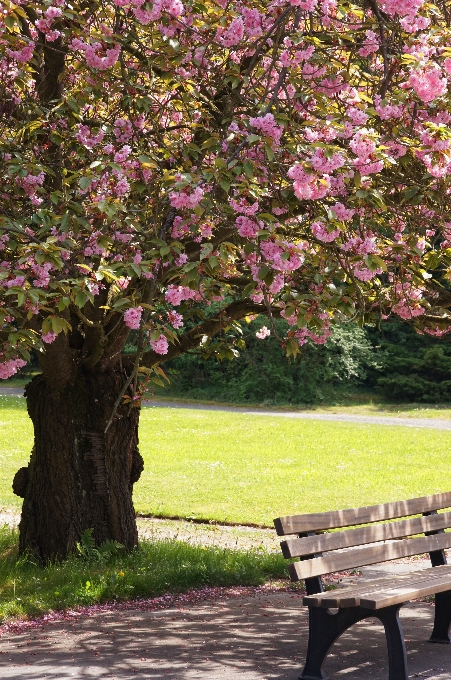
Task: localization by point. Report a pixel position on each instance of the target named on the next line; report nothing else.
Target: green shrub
(263, 374)
(415, 367)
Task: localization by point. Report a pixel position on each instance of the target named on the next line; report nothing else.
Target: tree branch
(190, 339)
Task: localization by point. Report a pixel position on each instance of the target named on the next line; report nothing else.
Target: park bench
(324, 553)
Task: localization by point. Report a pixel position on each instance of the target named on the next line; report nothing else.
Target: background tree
(270, 156)
(262, 375)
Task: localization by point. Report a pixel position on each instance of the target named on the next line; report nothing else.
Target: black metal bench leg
(397, 657)
(324, 629)
(442, 620)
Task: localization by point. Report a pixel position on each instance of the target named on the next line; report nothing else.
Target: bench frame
(325, 626)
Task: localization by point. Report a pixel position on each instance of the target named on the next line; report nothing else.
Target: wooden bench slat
(299, 524)
(341, 594)
(406, 593)
(352, 596)
(358, 557)
(310, 545)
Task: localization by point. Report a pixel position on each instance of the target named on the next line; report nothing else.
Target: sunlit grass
(16, 441)
(234, 467)
(243, 468)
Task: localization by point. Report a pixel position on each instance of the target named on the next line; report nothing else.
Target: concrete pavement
(247, 638)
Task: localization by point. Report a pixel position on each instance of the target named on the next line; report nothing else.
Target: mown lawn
(249, 469)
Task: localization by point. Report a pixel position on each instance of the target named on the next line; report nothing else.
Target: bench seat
(385, 592)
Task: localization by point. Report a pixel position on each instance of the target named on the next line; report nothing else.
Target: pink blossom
(122, 282)
(123, 130)
(370, 44)
(322, 234)
(257, 297)
(242, 206)
(17, 281)
(246, 227)
(93, 53)
(174, 8)
(175, 319)
(175, 294)
(321, 163)
(362, 144)
(85, 136)
(160, 346)
(183, 199)
(363, 273)
(268, 127)
(132, 317)
(306, 5)
(234, 33)
(252, 22)
(22, 55)
(357, 116)
(402, 7)
(43, 274)
(277, 284)
(428, 82)
(122, 187)
(49, 337)
(30, 184)
(386, 110)
(123, 154)
(341, 212)
(263, 333)
(10, 367)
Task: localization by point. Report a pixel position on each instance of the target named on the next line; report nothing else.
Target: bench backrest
(309, 545)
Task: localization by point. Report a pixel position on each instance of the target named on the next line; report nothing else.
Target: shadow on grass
(152, 569)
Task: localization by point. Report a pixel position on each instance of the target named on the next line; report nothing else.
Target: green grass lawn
(239, 468)
(16, 441)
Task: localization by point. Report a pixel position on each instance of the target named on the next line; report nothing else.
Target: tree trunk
(78, 478)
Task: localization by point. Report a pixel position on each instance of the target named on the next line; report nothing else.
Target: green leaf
(81, 299)
(263, 272)
(211, 141)
(84, 183)
(225, 184)
(63, 304)
(269, 152)
(56, 138)
(248, 169)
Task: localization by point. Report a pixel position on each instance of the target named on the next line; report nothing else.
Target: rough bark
(78, 477)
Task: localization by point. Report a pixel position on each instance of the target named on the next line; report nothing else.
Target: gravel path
(234, 537)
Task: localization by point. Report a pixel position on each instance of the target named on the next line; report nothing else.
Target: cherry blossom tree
(171, 167)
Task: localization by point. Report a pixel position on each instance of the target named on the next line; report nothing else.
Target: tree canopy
(281, 157)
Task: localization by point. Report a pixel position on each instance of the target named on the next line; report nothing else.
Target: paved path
(428, 423)
(250, 638)
(431, 423)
